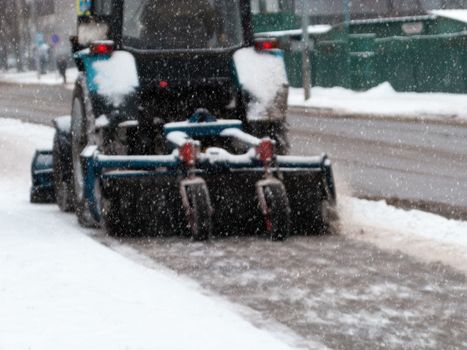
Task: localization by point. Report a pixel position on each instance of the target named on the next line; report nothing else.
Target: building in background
(55, 20)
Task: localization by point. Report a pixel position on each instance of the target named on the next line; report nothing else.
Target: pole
(306, 67)
(347, 15)
(17, 35)
(347, 79)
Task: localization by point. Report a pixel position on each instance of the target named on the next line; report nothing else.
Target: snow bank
(313, 29)
(116, 77)
(60, 289)
(416, 222)
(458, 15)
(32, 77)
(261, 74)
(383, 100)
(425, 236)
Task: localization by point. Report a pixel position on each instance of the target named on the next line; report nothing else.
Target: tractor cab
(189, 55)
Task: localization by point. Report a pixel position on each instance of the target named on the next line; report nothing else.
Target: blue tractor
(178, 124)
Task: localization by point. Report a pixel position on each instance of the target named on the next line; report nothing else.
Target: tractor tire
(277, 220)
(63, 174)
(79, 140)
(199, 214)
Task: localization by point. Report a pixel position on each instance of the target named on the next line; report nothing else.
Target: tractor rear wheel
(79, 140)
(62, 172)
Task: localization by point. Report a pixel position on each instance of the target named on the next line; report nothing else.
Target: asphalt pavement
(420, 162)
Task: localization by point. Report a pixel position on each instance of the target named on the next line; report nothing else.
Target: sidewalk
(31, 77)
(382, 102)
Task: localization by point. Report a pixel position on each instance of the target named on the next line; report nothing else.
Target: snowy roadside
(59, 288)
(31, 77)
(382, 101)
(426, 236)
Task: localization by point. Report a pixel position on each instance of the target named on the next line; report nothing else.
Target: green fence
(275, 21)
(425, 55)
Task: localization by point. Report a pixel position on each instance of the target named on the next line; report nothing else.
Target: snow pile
(313, 29)
(60, 289)
(428, 237)
(31, 77)
(383, 100)
(458, 15)
(116, 77)
(263, 76)
(416, 222)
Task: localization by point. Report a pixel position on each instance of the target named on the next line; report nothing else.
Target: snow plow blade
(42, 189)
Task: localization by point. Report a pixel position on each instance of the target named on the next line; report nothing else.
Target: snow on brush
(383, 100)
(60, 289)
(116, 77)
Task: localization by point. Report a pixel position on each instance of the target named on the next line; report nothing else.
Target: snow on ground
(424, 235)
(427, 225)
(60, 289)
(383, 100)
(313, 29)
(31, 77)
(458, 14)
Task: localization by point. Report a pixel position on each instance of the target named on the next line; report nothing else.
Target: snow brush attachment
(217, 189)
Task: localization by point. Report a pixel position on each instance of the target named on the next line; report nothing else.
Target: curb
(339, 114)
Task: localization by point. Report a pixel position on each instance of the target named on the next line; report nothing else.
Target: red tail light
(188, 153)
(102, 47)
(265, 150)
(266, 44)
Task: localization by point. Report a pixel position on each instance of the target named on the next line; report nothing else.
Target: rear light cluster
(189, 152)
(265, 151)
(266, 44)
(99, 48)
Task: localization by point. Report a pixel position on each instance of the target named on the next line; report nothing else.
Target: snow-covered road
(59, 288)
